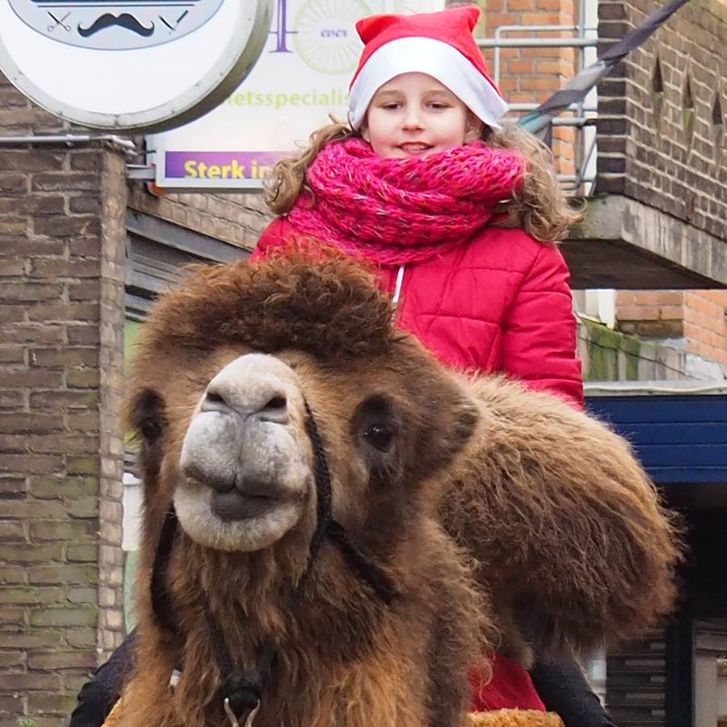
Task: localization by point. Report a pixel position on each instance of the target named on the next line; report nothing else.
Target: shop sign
(299, 82)
(130, 65)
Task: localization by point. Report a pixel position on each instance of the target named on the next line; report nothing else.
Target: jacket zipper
(398, 285)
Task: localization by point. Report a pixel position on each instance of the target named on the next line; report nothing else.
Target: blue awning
(680, 438)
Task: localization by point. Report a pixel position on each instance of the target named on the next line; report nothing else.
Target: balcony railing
(581, 117)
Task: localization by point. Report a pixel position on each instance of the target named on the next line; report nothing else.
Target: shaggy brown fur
(344, 658)
(570, 538)
(329, 310)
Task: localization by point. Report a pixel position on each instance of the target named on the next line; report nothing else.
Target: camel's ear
(465, 415)
(443, 412)
(446, 432)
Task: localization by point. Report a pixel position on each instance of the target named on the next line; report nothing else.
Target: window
(710, 673)
(156, 253)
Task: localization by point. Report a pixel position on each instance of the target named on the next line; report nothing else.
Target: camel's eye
(376, 423)
(148, 418)
(380, 436)
(150, 429)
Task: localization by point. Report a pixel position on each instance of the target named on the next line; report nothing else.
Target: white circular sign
(126, 65)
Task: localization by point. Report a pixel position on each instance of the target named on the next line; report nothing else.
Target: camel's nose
(254, 385)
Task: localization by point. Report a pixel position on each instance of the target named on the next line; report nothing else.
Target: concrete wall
(609, 355)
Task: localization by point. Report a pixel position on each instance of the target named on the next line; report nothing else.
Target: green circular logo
(326, 37)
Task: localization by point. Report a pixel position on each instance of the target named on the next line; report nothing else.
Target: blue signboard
(679, 438)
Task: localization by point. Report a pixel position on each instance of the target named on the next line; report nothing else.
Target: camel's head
(239, 367)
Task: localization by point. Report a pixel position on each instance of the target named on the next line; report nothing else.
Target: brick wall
(235, 218)
(530, 75)
(112, 170)
(662, 113)
(61, 312)
(62, 265)
(705, 325)
(698, 318)
(661, 134)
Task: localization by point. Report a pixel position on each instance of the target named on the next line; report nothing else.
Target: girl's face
(414, 115)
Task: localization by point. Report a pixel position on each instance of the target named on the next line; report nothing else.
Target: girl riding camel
(459, 212)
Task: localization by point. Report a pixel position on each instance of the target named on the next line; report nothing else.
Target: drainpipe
(117, 142)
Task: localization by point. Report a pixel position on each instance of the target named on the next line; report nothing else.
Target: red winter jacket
(500, 303)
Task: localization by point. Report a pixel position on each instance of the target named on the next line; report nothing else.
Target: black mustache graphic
(107, 20)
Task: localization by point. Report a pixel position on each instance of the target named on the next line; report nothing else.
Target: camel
(338, 531)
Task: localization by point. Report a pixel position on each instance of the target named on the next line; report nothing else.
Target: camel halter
(242, 691)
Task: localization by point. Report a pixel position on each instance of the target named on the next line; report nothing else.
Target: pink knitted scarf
(396, 211)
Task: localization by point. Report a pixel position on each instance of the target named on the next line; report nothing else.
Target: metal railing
(581, 116)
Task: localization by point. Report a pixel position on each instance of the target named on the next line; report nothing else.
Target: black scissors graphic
(179, 20)
(59, 23)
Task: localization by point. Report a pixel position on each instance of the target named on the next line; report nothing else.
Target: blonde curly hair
(540, 207)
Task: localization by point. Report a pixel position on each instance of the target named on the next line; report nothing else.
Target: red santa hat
(438, 44)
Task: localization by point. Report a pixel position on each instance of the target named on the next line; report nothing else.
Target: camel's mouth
(232, 520)
(233, 499)
(234, 505)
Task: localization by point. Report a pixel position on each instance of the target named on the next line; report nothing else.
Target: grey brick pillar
(62, 245)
